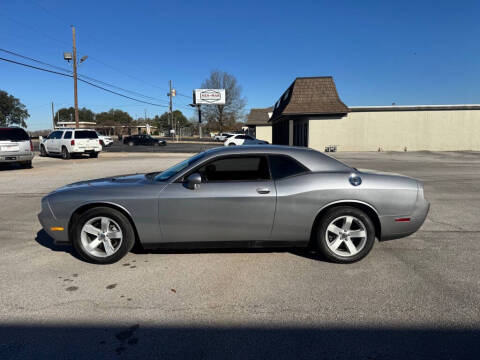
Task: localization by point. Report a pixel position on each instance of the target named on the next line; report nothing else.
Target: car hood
(114, 181)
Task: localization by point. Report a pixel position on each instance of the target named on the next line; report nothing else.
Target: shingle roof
(308, 96)
(259, 116)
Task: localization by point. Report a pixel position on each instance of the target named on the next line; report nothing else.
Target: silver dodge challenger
(253, 196)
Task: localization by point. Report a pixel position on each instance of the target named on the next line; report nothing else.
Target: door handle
(263, 190)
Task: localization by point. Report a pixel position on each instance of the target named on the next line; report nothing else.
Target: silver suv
(15, 146)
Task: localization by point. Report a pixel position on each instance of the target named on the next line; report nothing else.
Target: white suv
(105, 140)
(68, 142)
(242, 139)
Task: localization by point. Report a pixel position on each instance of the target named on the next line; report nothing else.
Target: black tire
(335, 213)
(27, 164)
(130, 143)
(94, 154)
(128, 235)
(43, 152)
(65, 154)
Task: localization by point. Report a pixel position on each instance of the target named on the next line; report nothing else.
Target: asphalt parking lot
(171, 147)
(416, 297)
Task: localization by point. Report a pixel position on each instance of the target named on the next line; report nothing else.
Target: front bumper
(48, 221)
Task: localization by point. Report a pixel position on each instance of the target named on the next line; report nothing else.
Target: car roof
(312, 159)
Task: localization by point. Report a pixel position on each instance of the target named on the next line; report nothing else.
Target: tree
(12, 111)
(68, 114)
(163, 121)
(219, 117)
(114, 117)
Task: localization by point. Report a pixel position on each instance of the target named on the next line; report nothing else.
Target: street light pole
(75, 94)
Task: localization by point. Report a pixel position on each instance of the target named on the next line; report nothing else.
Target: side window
(245, 168)
(67, 135)
(241, 137)
(283, 166)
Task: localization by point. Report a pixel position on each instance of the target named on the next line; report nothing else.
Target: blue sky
(379, 52)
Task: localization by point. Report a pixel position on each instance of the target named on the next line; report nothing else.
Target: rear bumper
(392, 229)
(13, 158)
(77, 150)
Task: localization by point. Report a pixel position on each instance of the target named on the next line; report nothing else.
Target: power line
(90, 57)
(81, 75)
(82, 80)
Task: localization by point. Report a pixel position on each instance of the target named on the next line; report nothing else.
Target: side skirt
(226, 245)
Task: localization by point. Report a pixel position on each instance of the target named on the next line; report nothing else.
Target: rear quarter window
(282, 166)
(13, 134)
(85, 134)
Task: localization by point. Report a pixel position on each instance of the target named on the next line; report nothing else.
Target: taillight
(72, 142)
(31, 145)
(99, 142)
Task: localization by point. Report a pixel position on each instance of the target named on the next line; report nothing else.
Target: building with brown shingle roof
(258, 123)
(310, 113)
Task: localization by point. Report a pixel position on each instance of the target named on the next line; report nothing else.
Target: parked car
(105, 140)
(143, 140)
(255, 195)
(222, 136)
(243, 139)
(15, 146)
(70, 142)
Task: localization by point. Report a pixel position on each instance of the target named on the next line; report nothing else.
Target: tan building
(310, 113)
(258, 123)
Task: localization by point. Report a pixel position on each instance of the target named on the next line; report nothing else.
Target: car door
(51, 142)
(235, 202)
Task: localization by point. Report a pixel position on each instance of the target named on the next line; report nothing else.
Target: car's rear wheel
(94, 154)
(27, 164)
(345, 235)
(43, 152)
(130, 143)
(103, 235)
(65, 154)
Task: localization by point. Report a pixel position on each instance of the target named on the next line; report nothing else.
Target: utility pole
(53, 117)
(75, 77)
(171, 114)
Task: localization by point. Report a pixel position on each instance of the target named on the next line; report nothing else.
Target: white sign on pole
(209, 96)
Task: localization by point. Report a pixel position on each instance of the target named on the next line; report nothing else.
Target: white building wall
(439, 130)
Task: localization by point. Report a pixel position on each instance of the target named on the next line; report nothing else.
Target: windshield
(167, 174)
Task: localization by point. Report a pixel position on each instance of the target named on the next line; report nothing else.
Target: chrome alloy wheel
(346, 236)
(101, 236)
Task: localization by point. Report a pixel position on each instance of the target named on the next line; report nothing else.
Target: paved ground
(412, 298)
(171, 147)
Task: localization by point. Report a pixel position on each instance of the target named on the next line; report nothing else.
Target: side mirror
(194, 181)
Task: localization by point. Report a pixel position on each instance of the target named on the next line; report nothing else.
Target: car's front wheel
(103, 235)
(345, 235)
